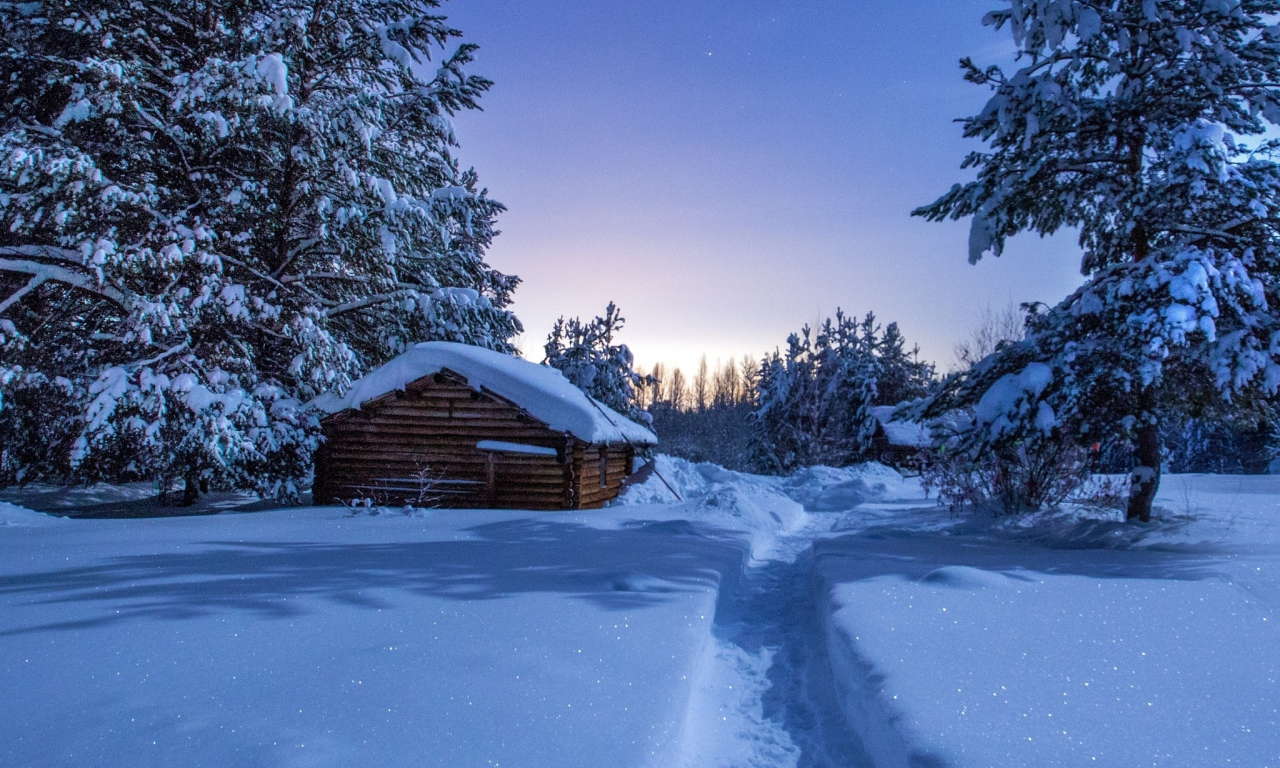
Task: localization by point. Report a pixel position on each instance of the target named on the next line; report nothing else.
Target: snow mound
(836, 489)
(408, 510)
(736, 500)
(1076, 526)
(540, 390)
(13, 515)
(964, 577)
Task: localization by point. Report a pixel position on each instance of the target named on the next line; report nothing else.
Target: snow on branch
(367, 301)
(61, 275)
(50, 252)
(31, 285)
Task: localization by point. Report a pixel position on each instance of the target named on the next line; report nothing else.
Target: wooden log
(447, 429)
(455, 477)
(432, 459)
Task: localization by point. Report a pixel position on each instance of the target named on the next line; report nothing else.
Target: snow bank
(308, 637)
(13, 515)
(771, 508)
(1064, 638)
(838, 489)
(540, 390)
(979, 668)
(754, 504)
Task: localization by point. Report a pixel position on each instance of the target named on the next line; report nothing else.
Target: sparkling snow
(834, 617)
(1068, 638)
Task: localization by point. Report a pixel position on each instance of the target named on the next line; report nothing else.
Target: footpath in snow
(901, 635)
(833, 618)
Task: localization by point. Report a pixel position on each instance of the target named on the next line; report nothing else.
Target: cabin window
(604, 468)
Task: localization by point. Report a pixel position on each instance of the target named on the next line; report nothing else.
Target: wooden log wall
(419, 446)
(588, 490)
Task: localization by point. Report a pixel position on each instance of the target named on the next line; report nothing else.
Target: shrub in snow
(586, 354)
(210, 217)
(1122, 120)
(1025, 477)
(814, 402)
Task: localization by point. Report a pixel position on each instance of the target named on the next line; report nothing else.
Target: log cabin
(451, 425)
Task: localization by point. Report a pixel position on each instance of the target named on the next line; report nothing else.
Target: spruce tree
(213, 212)
(1124, 120)
(586, 353)
(813, 403)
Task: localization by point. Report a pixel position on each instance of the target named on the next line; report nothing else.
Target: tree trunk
(1146, 473)
(192, 491)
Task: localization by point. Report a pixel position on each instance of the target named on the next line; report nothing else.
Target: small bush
(1024, 478)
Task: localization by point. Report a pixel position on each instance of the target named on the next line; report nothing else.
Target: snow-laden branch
(1205, 232)
(31, 285)
(170, 352)
(53, 253)
(63, 275)
(251, 270)
(368, 301)
(287, 279)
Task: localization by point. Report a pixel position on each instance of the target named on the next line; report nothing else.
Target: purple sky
(727, 172)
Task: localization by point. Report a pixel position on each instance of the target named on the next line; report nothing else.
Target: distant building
(452, 425)
(898, 443)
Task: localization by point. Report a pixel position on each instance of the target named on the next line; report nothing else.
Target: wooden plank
(601, 493)
(426, 438)
(427, 455)
(541, 481)
(472, 472)
(444, 428)
(393, 484)
(352, 449)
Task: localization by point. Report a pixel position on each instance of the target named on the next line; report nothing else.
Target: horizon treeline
(705, 417)
(808, 403)
(729, 383)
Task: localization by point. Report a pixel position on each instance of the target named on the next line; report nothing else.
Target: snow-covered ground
(834, 618)
(308, 637)
(1067, 638)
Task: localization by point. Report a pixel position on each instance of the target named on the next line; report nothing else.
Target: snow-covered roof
(911, 434)
(543, 392)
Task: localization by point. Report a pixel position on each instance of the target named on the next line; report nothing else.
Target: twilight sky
(726, 172)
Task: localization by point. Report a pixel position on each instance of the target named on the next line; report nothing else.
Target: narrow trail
(774, 610)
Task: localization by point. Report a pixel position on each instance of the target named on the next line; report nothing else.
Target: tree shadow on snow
(1092, 551)
(639, 565)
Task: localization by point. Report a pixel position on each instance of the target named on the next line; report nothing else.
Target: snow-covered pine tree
(1123, 120)
(847, 372)
(813, 403)
(1223, 446)
(781, 424)
(214, 212)
(586, 354)
(903, 375)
